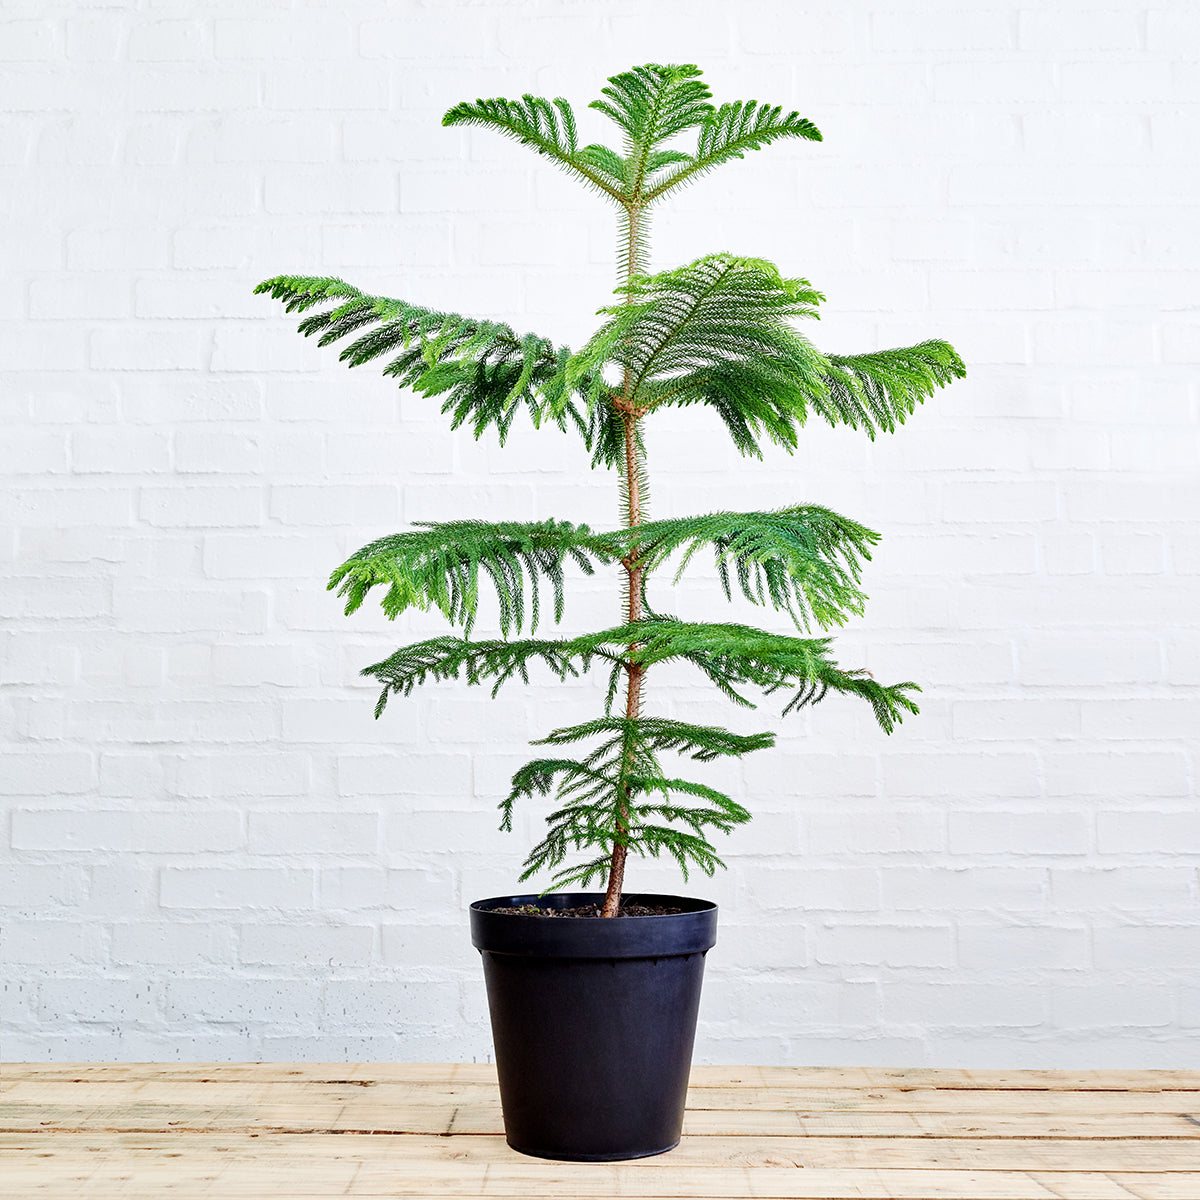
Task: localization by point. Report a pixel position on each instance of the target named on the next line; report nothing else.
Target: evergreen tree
(718, 331)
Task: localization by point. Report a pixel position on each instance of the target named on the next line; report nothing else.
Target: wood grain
(313, 1130)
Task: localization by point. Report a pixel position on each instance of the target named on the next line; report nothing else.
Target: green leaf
(485, 371)
(717, 332)
(449, 657)
(700, 315)
(549, 128)
(731, 130)
(619, 793)
(684, 331)
(653, 103)
(731, 656)
(881, 389)
(805, 560)
(702, 742)
(440, 565)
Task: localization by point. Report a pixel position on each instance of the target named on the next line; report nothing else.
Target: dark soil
(589, 910)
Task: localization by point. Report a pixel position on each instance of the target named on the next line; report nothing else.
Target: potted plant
(593, 1019)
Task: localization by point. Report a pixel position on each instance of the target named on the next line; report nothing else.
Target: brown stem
(633, 566)
(633, 671)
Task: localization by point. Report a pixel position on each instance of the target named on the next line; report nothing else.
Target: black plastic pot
(593, 1022)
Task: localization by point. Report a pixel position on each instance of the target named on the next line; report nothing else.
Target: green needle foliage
(732, 656)
(485, 371)
(440, 567)
(720, 331)
(805, 561)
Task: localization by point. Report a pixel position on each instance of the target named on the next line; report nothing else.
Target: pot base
(556, 1156)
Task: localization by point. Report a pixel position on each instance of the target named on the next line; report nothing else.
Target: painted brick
(404, 774)
(876, 832)
(808, 774)
(348, 720)
(840, 889)
(30, 41)
(397, 889)
(964, 778)
(128, 452)
(196, 609)
(1053, 31)
(262, 349)
(34, 887)
(407, 945)
(886, 945)
(1154, 719)
(1100, 889)
(347, 505)
(965, 1006)
(164, 832)
(238, 246)
(48, 942)
(184, 470)
(1024, 948)
(791, 1003)
(324, 88)
(268, 556)
(130, 774)
(192, 89)
(172, 943)
(328, 945)
(224, 774)
(236, 888)
(240, 1000)
(282, 38)
(1015, 720)
(1145, 947)
(187, 507)
(1124, 1007)
(31, 773)
(1115, 775)
(1083, 660)
(92, 1000)
(294, 832)
(115, 249)
(984, 833)
(355, 1005)
(360, 190)
(952, 31)
(965, 889)
(1146, 832)
(167, 41)
(1007, 502)
(1133, 554)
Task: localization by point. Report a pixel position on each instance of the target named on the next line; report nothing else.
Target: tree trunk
(631, 253)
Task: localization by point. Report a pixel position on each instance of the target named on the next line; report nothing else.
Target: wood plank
(702, 1075)
(773, 1098)
(304, 1131)
(568, 1181)
(998, 1154)
(944, 1100)
(1160, 1187)
(365, 1115)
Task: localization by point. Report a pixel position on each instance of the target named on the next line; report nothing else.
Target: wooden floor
(307, 1130)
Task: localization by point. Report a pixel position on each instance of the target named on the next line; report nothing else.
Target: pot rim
(689, 932)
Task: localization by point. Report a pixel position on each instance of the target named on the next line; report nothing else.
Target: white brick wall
(208, 848)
